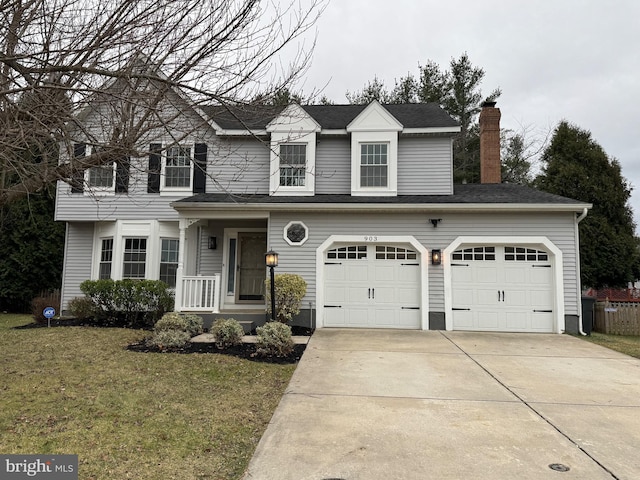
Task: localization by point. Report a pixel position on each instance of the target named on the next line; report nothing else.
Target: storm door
(251, 268)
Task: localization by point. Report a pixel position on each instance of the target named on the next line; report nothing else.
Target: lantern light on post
(436, 257)
(271, 260)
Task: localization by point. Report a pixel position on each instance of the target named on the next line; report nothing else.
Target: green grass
(77, 390)
(620, 343)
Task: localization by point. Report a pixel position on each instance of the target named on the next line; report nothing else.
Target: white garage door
(372, 286)
(502, 288)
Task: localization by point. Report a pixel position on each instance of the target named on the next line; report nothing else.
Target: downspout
(578, 220)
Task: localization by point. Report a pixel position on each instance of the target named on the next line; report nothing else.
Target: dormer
(374, 152)
(293, 152)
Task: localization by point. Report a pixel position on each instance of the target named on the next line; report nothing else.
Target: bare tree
(128, 63)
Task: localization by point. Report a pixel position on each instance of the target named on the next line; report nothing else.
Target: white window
(169, 261)
(134, 260)
(177, 169)
(293, 165)
(374, 166)
(99, 180)
(106, 257)
(293, 152)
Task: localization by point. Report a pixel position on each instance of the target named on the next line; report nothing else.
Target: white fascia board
(431, 130)
(416, 207)
(240, 133)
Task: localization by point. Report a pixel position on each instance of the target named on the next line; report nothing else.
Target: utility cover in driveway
(372, 286)
(502, 288)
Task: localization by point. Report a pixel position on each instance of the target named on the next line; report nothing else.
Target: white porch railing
(201, 294)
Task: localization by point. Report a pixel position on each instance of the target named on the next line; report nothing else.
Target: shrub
(38, 304)
(129, 302)
(274, 339)
(228, 332)
(169, 339)
(289, 291)
(195, 324)
(83, 308)
(188, 323)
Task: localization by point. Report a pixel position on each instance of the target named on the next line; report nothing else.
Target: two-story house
(357, 199)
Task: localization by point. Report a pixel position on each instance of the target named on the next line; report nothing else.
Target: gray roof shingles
(329, 117)
(503, 193)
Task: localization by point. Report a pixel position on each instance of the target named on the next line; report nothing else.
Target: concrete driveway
(381, 404)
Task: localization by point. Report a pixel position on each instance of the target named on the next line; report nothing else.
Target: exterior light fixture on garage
(436, 257)
(435, 222)
(213, 243)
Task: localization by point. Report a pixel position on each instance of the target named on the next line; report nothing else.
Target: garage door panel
(516, 321)
(502, 291)
(372, 289)
(335, 317)
(488, 320)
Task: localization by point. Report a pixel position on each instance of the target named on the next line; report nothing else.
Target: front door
(251, 268)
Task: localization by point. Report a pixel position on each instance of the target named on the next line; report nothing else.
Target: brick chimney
(490, 170)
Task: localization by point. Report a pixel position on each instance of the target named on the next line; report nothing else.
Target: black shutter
(153, 178)
(122, 175)
(200, 168)
(77, 173)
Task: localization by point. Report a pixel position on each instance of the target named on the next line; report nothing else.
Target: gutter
(577, 241)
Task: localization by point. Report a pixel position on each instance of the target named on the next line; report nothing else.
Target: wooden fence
(617, 318)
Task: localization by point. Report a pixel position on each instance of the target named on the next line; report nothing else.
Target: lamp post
(271, 260)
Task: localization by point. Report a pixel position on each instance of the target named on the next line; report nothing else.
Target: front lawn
(77, 390)
(620, 343)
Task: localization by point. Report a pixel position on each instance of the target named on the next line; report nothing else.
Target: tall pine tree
(576, 166)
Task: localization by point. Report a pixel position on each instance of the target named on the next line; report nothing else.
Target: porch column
(180, 271)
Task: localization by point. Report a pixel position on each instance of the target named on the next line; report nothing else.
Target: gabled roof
(329, 117)
(502, 196)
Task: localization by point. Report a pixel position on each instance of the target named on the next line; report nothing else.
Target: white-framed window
(293, 152)
(100, 180)
(296, 233)
(134, 258)
(374, 165)
(106, 258)
(169, 248)
(177, 169)
(293, 164)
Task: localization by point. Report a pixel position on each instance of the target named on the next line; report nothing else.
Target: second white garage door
(502, 288)
(372, 286)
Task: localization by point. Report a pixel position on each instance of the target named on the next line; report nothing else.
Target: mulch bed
(245, 350)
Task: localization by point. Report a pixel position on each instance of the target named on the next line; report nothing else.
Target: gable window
(293, 165)
(177, 169)
(169, 261)
(134, 260)
(374, 165)
(106, 257)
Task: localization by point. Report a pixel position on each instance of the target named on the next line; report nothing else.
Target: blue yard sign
(49, 313)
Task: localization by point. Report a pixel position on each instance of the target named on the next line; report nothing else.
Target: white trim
(306, 233)
(173, 191)
(548, 245)
(378, 240)
(431, 130)
(388, 138)
(229, 301)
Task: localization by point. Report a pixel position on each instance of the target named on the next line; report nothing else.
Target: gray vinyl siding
(77, 260)
(559, 228)
(240, 166)
(425, 166)
(333, 166)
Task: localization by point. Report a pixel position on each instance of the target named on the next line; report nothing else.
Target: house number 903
(370, 238)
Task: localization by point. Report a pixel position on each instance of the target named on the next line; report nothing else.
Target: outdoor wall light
(436, 257)
(271, 260)
(213, 243)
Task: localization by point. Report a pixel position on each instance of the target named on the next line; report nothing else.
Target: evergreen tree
(576, 166)
(31, 250)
